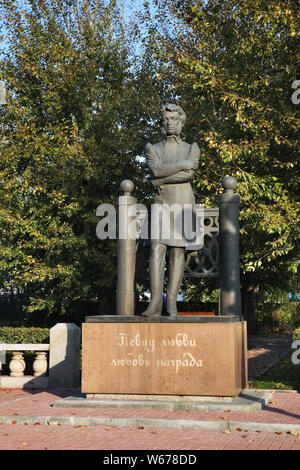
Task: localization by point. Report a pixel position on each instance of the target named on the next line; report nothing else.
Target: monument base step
(176, 398)
(247, 401)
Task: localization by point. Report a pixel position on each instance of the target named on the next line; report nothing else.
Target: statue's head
(172, 119)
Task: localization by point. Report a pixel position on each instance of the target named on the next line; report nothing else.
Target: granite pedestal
(197, 356)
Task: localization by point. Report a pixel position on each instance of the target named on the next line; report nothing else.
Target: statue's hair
(175, 109)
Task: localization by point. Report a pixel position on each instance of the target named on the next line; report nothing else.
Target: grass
(282, 376)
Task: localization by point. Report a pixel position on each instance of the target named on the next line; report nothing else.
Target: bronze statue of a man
(172, 164)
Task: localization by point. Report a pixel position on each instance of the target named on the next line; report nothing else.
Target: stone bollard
(64, 357)
(230, 295)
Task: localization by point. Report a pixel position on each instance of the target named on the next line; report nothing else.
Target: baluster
(17, 364)
(40, 364)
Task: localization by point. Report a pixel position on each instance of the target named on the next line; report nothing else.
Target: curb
(151, 423)
(263, 426)
(118, 422)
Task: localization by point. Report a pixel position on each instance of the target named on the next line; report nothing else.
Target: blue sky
(130, 6)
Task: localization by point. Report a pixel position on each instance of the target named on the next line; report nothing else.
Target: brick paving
(53, 437)
(283, 408)
(9, 394)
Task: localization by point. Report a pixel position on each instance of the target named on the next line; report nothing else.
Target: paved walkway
(265, 351)
(34, 410)
(20, 437)
(29, 421)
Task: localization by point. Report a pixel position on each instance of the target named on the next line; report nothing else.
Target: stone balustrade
(56, 364)
(17, 363)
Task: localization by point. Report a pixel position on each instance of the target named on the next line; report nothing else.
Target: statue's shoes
(150, 314)
(173, 315)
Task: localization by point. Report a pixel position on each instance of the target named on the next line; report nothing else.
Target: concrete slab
(248, 401)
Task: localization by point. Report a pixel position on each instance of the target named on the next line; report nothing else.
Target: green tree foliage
(231, 64)
(82, 100)
(69, 136)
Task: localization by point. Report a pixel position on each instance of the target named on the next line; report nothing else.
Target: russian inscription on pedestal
(163, 358)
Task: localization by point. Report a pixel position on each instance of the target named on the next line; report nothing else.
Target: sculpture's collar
(171, 139)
